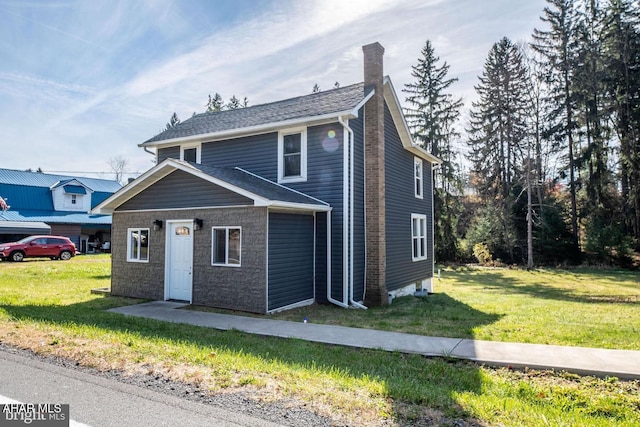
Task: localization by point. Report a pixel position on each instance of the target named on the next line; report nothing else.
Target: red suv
(54, 247)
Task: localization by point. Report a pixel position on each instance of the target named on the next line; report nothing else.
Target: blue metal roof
(37, 179)
(75, 189)
(55, 217)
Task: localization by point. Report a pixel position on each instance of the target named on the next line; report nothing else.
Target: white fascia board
(160, 171)
(251, 130)
(357, 108)
(290, 206)
(391, 98)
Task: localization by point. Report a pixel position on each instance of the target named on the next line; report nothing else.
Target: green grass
(46, 306)
(587, 308)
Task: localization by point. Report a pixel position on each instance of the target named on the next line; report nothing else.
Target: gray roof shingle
(307, 106)
(254, 184)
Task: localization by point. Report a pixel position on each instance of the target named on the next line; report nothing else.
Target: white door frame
(167, 260)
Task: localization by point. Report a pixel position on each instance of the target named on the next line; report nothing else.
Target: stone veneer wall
(238, 288)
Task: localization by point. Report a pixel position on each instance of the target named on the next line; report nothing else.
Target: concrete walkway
(580, 360)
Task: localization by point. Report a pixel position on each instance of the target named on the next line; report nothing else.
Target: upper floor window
(74, 199)
(190, 153)
(292, 155)
(418, 175)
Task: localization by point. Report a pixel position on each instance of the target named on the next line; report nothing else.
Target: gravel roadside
(288, 413)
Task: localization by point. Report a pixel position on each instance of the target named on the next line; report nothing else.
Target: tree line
(553, 142)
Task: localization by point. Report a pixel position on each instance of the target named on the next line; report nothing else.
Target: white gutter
(329, 298)
(350, 231)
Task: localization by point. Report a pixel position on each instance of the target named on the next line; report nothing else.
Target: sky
(86, 81)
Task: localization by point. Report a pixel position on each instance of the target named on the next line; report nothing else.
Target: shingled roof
(315, 105)
(262, 191)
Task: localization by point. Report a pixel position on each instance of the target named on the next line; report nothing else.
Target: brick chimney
(376, 293)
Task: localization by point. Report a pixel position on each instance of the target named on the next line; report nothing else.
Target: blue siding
(183, 190)
(257, 154)
(324, 181)
(290, 259)
(400, 204)
(168, 153)
(359, 258)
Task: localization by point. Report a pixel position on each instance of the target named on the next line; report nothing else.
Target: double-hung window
(138, 245)
(418, 174)
(292, 155)
(419, 237)
(226, 246)
(190, 153)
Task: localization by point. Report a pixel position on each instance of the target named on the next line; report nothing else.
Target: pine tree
(498, 131)
(173, 121)
(233, 104)
(557, 47)
(316, 88)
(215, 103)
(432, 115)
(621, 40)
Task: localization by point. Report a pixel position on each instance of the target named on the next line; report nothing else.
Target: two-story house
(42, 203)
(322, 197)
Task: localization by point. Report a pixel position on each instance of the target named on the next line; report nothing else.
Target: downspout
(351, 141)
(329, 298)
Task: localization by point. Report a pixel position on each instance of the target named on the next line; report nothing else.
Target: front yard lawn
(46, 306)
(585, 308)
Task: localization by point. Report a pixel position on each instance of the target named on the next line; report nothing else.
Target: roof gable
(260, 191)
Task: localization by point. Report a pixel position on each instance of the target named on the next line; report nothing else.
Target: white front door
(178, 274)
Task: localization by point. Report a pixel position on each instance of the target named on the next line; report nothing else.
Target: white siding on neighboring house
(71, 197)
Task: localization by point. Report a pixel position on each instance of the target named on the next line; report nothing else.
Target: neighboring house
(323, 197)
(40, 203)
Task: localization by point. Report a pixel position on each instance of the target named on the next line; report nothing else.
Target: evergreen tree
(233, 104)
(432, 115)
(621, 40)
(316, 88)
(498, 130)
(173, 121)
(557, 47)
(215, 103)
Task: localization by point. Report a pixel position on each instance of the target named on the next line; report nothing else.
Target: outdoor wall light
(197, 224)
(157, 224)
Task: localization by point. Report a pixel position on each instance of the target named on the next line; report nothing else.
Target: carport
(12, 230)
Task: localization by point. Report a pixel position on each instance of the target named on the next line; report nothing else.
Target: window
(74, 199)
(138, 245)
(417, 166)
(419, 237)
(292, 156)
(190, 153)
(226, 246)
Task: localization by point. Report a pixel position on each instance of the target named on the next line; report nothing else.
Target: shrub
(482, 254)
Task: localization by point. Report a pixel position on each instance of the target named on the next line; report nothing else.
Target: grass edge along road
(46, 306)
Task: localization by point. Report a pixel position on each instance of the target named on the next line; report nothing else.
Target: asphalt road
(96, 401)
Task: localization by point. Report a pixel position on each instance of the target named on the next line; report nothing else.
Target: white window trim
(419, 238)
(198, 148)
(417, 161)
(226, 255)
(303, 155)
(129, 258)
